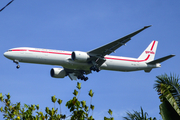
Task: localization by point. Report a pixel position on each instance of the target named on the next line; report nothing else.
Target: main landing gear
(17, 63)
(95, 67)
(82, 77)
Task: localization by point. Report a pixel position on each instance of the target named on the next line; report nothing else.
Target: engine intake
(58, 73)
(79, 56)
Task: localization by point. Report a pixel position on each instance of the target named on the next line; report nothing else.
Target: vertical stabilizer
(149, 53)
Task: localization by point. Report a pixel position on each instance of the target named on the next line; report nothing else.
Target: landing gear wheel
(95, 68)
(86, 78)
(17, 66)
(83, 78)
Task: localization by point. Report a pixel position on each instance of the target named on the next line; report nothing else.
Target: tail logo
(149, 52)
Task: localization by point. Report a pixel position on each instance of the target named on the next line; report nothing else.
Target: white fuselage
(63, 58)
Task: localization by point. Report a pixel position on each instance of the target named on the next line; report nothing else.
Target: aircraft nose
(7, 55)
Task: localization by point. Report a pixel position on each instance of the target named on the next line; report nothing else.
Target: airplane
(76, 64)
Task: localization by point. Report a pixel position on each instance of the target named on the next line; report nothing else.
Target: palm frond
(137, 115)
(168, 87)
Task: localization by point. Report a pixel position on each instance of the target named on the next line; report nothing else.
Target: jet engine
(79, 56)
(58, 73)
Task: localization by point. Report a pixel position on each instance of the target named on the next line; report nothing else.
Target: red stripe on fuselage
(112, 58)
(19, 50)
(128, 59)
(49, 52)
(40, 51)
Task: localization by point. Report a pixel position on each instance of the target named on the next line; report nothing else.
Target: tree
(168, 89)
(138, 116)
(79, 110)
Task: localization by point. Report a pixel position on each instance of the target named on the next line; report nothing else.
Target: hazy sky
(85, 25)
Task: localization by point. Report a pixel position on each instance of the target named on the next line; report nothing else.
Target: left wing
(97, 55)
(111, 47)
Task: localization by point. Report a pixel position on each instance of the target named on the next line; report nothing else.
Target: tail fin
(149, 53)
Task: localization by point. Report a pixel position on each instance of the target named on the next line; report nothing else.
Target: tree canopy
(168, 88)
(79, 109)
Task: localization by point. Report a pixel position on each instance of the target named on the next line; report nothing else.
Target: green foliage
(110, 113)
(168, 89)
(168, 112)
(79, 86)
(53, 98)
(168, 84)
(75, 92)
(91, 93)
(138, 116)
(59, 101)
(79, 109)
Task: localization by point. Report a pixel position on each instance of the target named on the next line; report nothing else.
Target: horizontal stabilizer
(161, 59)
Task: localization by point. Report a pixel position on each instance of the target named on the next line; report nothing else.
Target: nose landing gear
(17, 63)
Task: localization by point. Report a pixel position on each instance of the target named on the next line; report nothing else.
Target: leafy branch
(78, 109)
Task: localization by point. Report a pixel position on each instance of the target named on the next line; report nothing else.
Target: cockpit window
(9, 50)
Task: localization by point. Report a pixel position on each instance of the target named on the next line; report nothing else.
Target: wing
(111, 47)
(97, 55)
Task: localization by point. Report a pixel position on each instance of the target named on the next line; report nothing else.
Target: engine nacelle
(79, 56)
(58, 73)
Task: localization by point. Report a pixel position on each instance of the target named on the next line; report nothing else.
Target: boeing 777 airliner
(76, 64)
